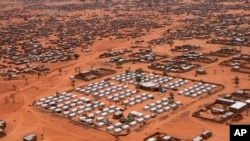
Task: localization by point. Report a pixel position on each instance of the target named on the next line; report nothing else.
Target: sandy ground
(23, 119)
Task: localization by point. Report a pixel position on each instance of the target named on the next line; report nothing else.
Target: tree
(38, 74)
(6, 99)
(79, 69)
(9, 76)
(12, 96)
(139, 70)
(83, 1)
(130, 118)
(109, 50)
(76, 56)
(138, 86)
(57, 94)
(224, 107)
(123, 119)
(127, 70)
(138, 78)
(69, 57)
(171, 98)
(133, 61)
(73, 83)
(96, 97)
(14, 86)
(45, 74)
(236, 81)
(26, 80)
(60, 71)
(164, 73)
(107, 121)
(118, 64)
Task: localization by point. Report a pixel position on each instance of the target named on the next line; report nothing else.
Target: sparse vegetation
(236, 81)
(118, 64)
(60, 71)
(171, 98)
(76, 56)
(139, 70)
(73, 83)
(138, 78)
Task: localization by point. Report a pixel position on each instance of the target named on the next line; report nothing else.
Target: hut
(2, 124)
(30, 137)
(117, 130)
(198, 138)
(110, 128)
(132, 123)
(166, 138)
(206, 134)
(201, 71)
(100, 124)
(125, 127)
(117, 115)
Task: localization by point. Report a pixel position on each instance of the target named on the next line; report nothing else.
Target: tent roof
(149, 84)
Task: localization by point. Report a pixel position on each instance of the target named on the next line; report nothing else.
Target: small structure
(206, 134)
(160, 137)
(117, 115)
(30, 137)
(201, 71)
(94, 74)
(237, 106)
(150, 86)
(2, 124)
(198, 138)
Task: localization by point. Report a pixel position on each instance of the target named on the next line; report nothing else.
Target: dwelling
(237, 106)
(30, 137)
(117, 115)
(225, 101)
(198, 138)
(150, 86)
(206, 134)
(2, 124)
(201, 71)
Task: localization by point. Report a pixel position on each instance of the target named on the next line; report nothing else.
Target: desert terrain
(83, 30)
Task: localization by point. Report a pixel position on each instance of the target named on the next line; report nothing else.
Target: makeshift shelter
(2, 124)
(117, 130)
(201, 71)
(198, 138)
(206, 134)
(30, 137)
(117, 115)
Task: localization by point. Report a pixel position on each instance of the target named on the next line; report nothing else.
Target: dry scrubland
(70, 29)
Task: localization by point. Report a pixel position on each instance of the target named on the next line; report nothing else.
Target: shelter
(117, 115)
(2, 124)
(30, 137)
(206, 134)
(198, 138)
(237, 106)
(225, 101)
(150, 86)
(201, 71)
